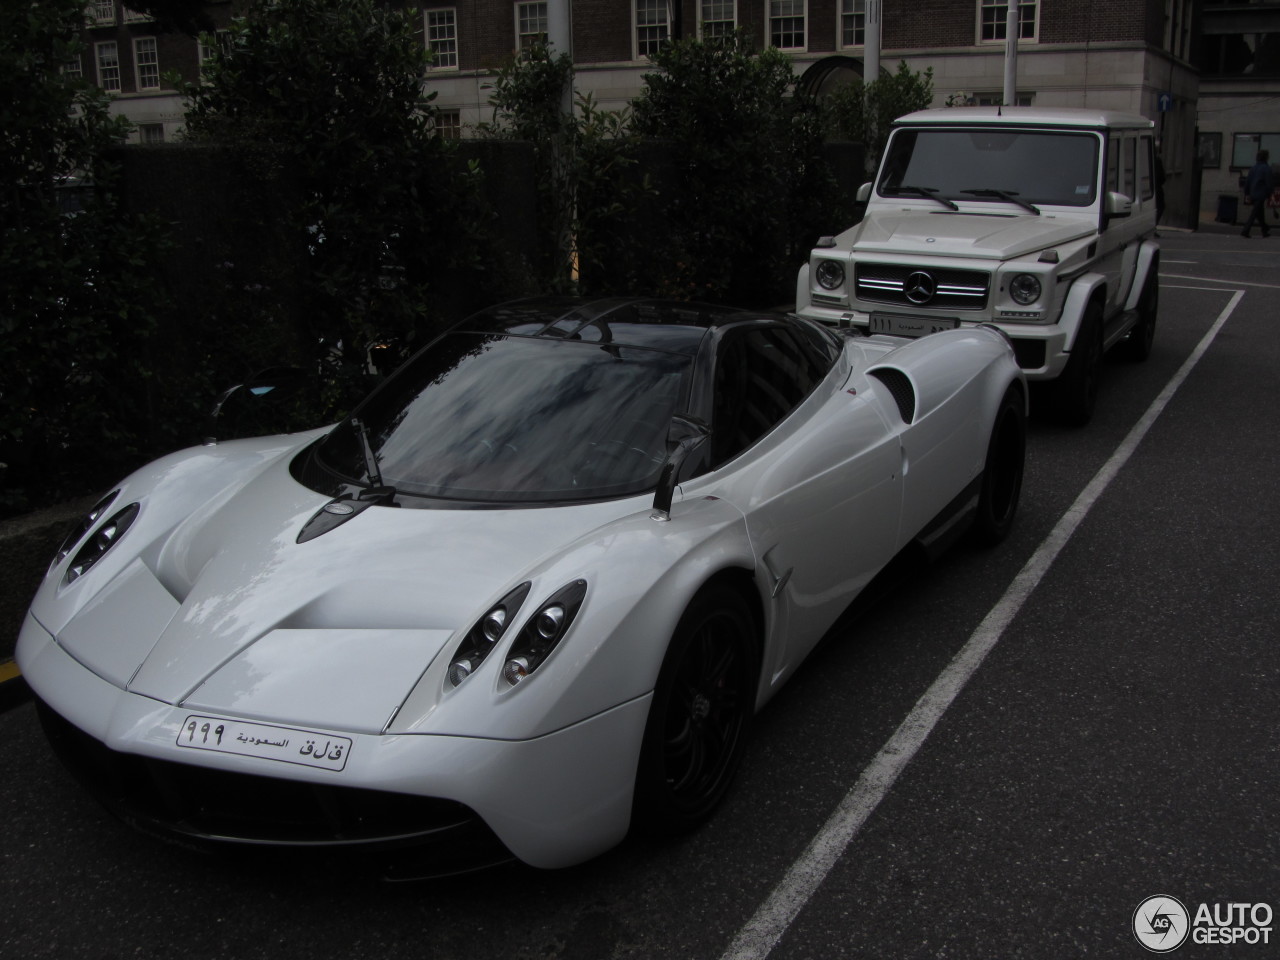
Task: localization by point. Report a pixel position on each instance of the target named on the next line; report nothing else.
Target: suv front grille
(925, 287)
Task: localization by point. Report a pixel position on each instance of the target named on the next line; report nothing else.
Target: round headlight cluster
(830, 274)
(484, 636)
(1025, 288)
(84, 526)
(100, 541)
(543, 631)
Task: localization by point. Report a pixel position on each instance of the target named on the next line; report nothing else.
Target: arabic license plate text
(910, 326)
(285, 744)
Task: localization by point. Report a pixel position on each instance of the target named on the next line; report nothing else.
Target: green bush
(864, 113)
(751, 172)
(78, 298)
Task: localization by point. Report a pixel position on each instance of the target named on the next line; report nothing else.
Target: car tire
(1137, 345)
(700, 715)
(1075, 392)
(1002, 471)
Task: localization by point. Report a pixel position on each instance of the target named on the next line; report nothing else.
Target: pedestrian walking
(1258, 187)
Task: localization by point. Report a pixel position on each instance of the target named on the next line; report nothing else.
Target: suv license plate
(898, 326)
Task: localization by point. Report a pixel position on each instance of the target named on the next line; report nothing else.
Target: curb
(13, 689)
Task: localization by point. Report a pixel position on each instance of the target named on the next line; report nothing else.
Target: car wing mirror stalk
(687, 433)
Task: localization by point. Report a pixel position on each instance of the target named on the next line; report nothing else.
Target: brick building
(1142, 56)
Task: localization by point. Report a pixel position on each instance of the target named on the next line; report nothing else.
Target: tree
(328, 99)
(749, 156)
(864, 113)
(77, 294)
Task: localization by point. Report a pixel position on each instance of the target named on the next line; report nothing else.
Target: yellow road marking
(9, 671)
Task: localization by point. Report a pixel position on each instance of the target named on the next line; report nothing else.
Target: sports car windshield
(1009, 168)
(492, 418)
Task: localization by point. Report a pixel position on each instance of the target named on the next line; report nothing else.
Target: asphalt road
(1117, 742)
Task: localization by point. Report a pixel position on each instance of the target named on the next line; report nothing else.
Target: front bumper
(551, 801)
(1041, 349)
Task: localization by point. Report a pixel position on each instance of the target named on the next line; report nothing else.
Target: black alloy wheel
(1137, 345)
(698, 721)
(1075, 392)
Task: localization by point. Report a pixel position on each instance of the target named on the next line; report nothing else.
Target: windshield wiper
(1006, 195)
(377, 491)
(929, 192)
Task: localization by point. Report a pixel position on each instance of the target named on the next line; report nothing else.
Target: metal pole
(871, 43)
(1012, 26)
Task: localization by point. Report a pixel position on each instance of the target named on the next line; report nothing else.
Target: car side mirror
(687, 433)
(260, 405)
(864, 193)
(1116, 207)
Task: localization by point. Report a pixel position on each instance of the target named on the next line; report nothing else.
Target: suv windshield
(493, 418)
(981, 165)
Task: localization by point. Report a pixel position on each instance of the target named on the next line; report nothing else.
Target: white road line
(763, 931)
(1228, 283)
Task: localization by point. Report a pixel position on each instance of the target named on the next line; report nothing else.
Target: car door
(815, 471)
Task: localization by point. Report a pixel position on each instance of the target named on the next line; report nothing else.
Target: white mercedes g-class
(1041, 221)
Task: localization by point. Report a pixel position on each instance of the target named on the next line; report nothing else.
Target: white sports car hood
(227, 612)
(986, 236)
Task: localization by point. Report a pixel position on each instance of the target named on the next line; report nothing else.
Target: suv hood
(972, 235)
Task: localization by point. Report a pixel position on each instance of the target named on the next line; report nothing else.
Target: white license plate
(910, 326)
(285, 744)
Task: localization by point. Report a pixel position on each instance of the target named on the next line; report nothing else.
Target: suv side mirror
(1117, 207)
(864, 193)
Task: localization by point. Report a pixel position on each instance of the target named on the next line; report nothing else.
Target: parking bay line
(763, 931)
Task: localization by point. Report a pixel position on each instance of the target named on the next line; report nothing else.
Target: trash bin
(1228, 207)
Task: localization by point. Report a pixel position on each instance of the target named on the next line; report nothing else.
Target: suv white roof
(1027, 116)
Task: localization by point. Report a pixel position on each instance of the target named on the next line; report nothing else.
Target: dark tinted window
(1035, 166)
(485, 417)
(762, 374)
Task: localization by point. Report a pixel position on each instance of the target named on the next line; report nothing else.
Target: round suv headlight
(830, 274)
(1025, 288)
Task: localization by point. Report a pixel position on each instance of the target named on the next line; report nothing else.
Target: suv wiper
(929, 192)
(1007, 195)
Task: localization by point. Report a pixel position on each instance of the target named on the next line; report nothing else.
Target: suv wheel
(1075, 392)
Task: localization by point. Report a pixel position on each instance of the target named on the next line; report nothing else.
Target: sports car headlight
(84, 526)
(102, 540)
(543, 631)
(1025, 288)
(484, 636)
(830, 274)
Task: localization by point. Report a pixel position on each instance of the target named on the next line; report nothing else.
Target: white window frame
(768, 24)
(221, 42)
(73, 68)
(108, 74)
(101, 14)
(151, 133)
(857, 14)
(449, 123)
(139, 62)
(439, 63)
(702, 14)
(1002, 10)
(637, 26)
(133, 16)
(527, 39)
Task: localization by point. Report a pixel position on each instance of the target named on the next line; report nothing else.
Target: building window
(786, 24)
(133, 16)
(221, 44)
(853, 23)
(72, 69)
(1254, 55)
(151, 132)
(146, 63)
(653, 26)
(108, 58)
(993, 17)
(442, 38)
(1245, 147)
(449, 124)
(531, 25)
(718, 20)
(997, 99)
(1209, 149)
(102, 14)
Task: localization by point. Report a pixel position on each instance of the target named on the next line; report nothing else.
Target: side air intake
(900, 386)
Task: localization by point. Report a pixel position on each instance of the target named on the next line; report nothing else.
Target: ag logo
(1161, 924)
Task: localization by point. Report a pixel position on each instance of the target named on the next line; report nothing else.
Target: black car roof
(671, 325)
